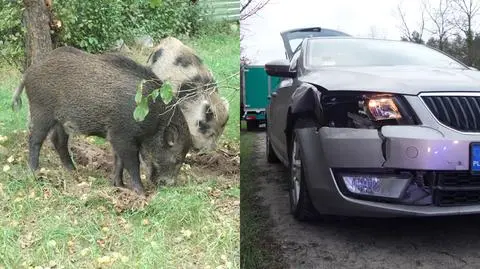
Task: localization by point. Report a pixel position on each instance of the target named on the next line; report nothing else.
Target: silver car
(374, 127)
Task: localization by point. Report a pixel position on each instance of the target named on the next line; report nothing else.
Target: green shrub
(11, 32)
(94, 26)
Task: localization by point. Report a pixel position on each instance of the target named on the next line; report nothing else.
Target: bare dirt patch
(224, 161)
(92, 156)
(91, 181)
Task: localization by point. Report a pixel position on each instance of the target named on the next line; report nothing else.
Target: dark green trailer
(257, 87)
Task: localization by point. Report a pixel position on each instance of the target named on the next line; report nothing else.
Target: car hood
(410, 80)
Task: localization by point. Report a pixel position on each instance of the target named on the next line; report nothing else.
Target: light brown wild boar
(205, 110)
(71, 91)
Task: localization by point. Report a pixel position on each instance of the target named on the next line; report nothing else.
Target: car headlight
(383, 109)
(367, 110)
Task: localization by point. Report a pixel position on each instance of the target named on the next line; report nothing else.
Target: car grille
(458, 112)
(457, 188)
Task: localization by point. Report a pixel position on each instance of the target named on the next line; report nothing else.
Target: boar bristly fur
(71, 91)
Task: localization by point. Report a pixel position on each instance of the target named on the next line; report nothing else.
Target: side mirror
(280, 68)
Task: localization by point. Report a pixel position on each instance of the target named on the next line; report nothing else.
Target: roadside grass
(61, 219)
(258, 249)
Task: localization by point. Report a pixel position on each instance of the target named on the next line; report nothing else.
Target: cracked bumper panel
(349, 148)
(404, 147)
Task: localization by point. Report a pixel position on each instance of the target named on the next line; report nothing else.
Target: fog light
(390, 186)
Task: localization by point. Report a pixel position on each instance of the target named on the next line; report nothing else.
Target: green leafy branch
(141, 110)
(166, 93)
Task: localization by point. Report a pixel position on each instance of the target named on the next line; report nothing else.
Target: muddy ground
(446, 242)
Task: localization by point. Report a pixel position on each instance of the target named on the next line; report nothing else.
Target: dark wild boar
(71, 91)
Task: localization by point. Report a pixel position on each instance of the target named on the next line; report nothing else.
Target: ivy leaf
(166, 92)
(141, 111)
(155, 94)
(155, 3)
(138, 95)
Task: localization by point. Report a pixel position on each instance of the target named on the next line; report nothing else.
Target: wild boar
(205, 110)
(71, 91)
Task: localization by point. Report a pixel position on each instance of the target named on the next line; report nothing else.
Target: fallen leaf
(101, 242)
(11, 159)
(47, 193)
(186, 233)
(26, 240)
(83, 185)
(145, 222)
(51, 243)
(104, 260)
(84, 251)
(116, 255)
(6, 168)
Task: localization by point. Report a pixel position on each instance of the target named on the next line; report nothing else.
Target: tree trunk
(38, 40)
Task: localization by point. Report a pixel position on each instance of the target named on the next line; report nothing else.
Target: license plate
(475, 158)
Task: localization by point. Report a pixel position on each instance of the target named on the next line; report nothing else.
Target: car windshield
(323, 52)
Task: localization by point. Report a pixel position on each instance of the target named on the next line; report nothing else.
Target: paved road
(447, 242)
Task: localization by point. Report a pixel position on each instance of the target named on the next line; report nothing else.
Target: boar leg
(59, 139)
(128, 152)
(39, 128)
(118, 172)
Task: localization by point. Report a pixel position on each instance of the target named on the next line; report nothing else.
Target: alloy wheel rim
(296, 173)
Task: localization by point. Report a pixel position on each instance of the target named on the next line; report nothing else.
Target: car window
(323, 52)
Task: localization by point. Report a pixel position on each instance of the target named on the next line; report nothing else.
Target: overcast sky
(261, 32)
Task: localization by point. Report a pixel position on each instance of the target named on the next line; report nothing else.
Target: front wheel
(300, 203)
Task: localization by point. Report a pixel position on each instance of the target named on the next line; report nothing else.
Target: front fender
(305, 103)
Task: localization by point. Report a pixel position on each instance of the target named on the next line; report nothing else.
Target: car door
(280, 101)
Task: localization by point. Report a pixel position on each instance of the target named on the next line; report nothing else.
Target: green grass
(77, 220)
(257, 249)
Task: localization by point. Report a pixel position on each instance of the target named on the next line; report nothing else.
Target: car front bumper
(430, 152)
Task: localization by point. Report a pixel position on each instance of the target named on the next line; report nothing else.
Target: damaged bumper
(416, 170)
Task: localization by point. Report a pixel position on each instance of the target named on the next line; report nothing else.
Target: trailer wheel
(252, 125)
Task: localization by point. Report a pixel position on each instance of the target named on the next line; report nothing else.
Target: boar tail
(17, 100)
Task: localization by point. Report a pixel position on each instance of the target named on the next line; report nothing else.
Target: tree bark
(38, 40)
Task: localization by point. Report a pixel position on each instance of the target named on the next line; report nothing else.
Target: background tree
(466, 10)
(38, 40)
(409, 34)
(441, 20)
(251, 7)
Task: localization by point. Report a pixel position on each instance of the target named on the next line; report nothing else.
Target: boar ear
(170, 135)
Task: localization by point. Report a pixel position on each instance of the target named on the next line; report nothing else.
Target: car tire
(271, 156)
(300, 203)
